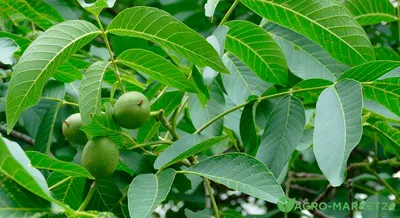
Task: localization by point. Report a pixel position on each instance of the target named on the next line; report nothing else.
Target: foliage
(273, 100)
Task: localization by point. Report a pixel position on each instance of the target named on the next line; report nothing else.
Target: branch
(168, 125)
(324, 194)
(15, 134)
(350, 190)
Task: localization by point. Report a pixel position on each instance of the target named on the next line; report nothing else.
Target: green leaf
(185, 147)
(136, 162)
(387, 133)
(256, 48)
(159, 26)
(104, 125)
(7, 49)
(156, 67)
(70, 192)
(242, 82)
(299, 50)
(347, 42)
(90, 90)
(18, 202)
(386, 92)
(200, 115)
(313, 87)
(240, 172)
(44, 136)
(96, 7)
(383, 53)
(370, 71)
(17, 166)
(338, 128)
(248, 129)
(42, 161)
(46, 10)
(39, 62)
(282, 134)
(67, 73)
(106, 196)
(37, 12)
(370, 12)
(54, 89)
(206, 213)
(230, 213)
(147, 191)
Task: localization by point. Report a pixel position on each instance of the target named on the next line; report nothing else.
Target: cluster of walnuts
(100, 155)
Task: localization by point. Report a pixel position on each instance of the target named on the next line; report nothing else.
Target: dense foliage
(191, 108)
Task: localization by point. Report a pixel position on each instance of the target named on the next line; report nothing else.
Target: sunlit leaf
(256, 48)
(40, 61)
(156, 67)
(370, 12)
(90, 90)
(325, 22)
(42, 161)
(159, 26)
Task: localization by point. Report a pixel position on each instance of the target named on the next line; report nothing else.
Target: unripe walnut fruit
(71, 129)
(132, 110)
(100, 157)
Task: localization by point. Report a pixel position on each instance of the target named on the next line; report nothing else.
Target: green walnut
(100, 157)
(71, 129)
(132, 110)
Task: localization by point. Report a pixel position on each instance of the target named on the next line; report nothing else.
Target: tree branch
(15, 134)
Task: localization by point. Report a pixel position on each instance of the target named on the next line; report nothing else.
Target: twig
(88, 196)
(210, 193)
(304, 189)
(391, 189)
(168, 125)
(114, 63)
(15, 134)
(324, 194)
(150, 143)
(350, 190)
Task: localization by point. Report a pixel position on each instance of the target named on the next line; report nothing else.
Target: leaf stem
(210, 193)
(151, 143)
(261, 98)
(60, 183)
(229, 12)
(62, 101)
(386, 184)
(88, 196)
(114, 63)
